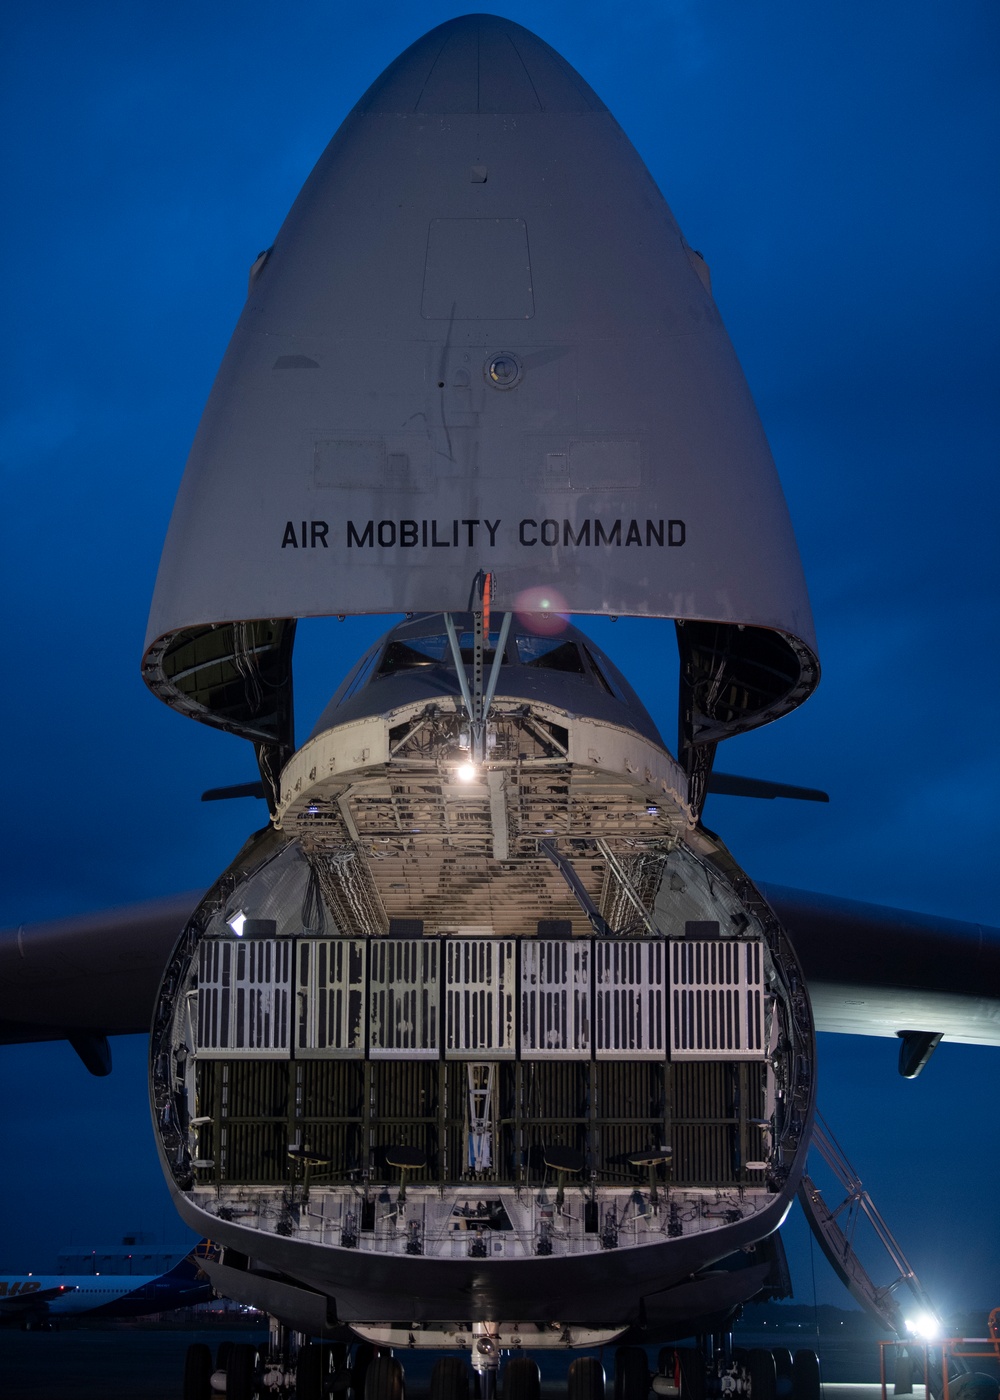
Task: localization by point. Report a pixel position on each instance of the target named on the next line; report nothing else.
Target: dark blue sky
(837, 166)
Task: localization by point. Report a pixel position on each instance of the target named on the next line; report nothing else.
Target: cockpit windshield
(550, 654)
(420, 653)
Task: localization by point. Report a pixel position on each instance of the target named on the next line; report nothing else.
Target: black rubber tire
(243, 1372)
(384, 1380)
(222, 1355)
(310, 1371)
(692, 1370)
(632, 1376)
(763, 1377)
(450, 1379)
(784, 1373)
(520, 1379)
(342, 1384)
(974, 1385)
(805, 1376)
(363, 1356)
(585, 1380)
(198, 1372)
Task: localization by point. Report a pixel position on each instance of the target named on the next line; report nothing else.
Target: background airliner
(44, 1300)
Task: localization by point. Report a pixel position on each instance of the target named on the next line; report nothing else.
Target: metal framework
(480, 998)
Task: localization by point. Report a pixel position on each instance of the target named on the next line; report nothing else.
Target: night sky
(837, 167)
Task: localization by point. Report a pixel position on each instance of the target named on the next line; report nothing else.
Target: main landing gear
(290, 1366)
(716, 1370)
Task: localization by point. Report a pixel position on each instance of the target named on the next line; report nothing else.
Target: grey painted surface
(480, 208)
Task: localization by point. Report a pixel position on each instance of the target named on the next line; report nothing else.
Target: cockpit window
(550, 654)
(361, 675)
(420, 653)
(599, 675)
(416, 654)
(467, 643)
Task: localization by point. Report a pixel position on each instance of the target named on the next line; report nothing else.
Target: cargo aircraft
(486, 1042)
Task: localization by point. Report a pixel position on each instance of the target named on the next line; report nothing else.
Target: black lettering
(492, 526)
(435, 542)
(633, 536)
(520, 531)
(289, 537)
(353, 538)
(305, 538)
(472, 530)
(387, 533)
(407, 533)
(676, 532)
(600, 537)
(424, 524)
(547, 532)
(582, 538)
(653, 533)
(454, 533)
(318, 529)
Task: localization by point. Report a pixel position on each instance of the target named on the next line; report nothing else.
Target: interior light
(465, 772)
(236, 923)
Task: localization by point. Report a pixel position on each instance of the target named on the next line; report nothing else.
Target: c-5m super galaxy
(486, 1042)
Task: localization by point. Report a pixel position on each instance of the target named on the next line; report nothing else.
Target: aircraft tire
(222, 1355)
(384, 1380)
(692, 1370)
(784, 1373)
(364, 1355)
(242, 1373)
(805, 1376)
(198, 1372)
(763, 1377)
(309, 1370)
(585, 1380)
(520, 1379)
(631, 1374)
(449, 1379)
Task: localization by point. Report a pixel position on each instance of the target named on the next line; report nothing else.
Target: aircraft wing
(88, 977)
(877, 971)
(871, 970)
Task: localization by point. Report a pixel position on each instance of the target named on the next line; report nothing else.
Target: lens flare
(543, 610)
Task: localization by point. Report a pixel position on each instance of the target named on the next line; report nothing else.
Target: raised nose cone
(479, 63)
(480, 342)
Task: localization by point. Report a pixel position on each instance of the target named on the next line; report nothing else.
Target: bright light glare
(236, 923)
(466, 772)
(924, 1325)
